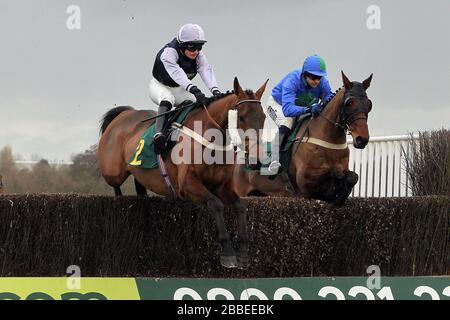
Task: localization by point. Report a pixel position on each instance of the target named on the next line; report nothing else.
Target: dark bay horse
(318, 167)
(206, 184)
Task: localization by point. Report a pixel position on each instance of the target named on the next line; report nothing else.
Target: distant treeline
(80, 177)
(428, 163)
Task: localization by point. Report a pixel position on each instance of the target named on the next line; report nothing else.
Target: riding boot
(275, 166)
(159, 139)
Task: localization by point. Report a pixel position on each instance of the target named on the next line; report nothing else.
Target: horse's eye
(348, 103)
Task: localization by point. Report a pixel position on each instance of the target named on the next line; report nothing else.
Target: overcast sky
(56, 83)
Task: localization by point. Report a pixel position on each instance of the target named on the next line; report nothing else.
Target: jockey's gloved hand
(316, 108)
(302, 110)
(199, 96)
(216, 92)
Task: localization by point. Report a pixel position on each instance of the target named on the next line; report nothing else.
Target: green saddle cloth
(144, 156)
(286, 149)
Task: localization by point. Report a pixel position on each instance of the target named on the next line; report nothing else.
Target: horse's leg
(228, 196)
(242, 184)
(352, 178)
(115, 176)
(252, 184)
(333, 188)
(117, 181)
(193, 189)
(349, 181)
(303, 181)
(140, 189)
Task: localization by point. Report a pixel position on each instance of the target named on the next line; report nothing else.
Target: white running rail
(381, 167)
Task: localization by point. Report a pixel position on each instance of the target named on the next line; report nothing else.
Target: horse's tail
(110, 116)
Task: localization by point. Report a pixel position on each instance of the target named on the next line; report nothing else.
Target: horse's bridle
(233, 108)
(345, 119)
(246, 101)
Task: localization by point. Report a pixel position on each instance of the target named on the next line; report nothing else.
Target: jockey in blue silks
(300, 92)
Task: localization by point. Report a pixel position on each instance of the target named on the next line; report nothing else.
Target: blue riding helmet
(315, 65)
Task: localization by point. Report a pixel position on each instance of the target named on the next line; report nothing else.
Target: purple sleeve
(206, 72)
(169, 58)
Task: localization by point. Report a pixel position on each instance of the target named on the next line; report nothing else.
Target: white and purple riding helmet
(191, 33)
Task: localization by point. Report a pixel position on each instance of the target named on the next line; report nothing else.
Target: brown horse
(319, 161)
(206, 184)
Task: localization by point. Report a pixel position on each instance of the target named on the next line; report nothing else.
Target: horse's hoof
(340, 200)
(352, 178)
(242, 262)
(228, 261)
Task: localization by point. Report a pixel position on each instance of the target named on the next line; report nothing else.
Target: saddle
(145, 155)
(285, 150)
(179, 115)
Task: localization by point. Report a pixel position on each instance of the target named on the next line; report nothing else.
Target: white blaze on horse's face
(250, 121)
(233, 128)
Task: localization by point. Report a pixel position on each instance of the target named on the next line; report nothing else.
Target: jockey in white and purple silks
(175, 66)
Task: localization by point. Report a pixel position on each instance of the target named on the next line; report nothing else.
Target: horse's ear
(261, 90)
(366, 83)
(347, 83)
(237, 88)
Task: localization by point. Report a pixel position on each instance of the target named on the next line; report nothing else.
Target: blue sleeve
(290, 109)
(327, 93)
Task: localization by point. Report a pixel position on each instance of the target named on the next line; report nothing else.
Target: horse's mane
(222, 95)
(332, 96)
(356, 85)
(248, 92)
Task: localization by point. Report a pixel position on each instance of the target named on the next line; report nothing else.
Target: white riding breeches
(275, 111)
(159, 92)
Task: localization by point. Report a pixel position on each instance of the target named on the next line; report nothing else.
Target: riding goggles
(193, 47)
(313, 76)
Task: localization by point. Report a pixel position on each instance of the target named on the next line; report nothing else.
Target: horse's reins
(335, 123)
(342, 119)
(169, 112)
(299, 140)
(235, 107)
(161, 162)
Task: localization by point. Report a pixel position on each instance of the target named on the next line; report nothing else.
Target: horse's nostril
(361, 142)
